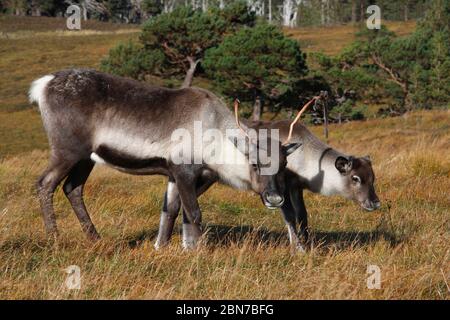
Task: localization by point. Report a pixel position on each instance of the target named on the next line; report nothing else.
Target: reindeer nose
(371, 205)
(377, 204)
(273, 199)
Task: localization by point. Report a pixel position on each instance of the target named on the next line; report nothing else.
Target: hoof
(191, 236)
(160, 244)
(94, 238)
(299, 248)
(190, 244)
(52, 235)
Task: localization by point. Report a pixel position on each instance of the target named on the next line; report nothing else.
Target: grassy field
(333, 39)
(247, 253)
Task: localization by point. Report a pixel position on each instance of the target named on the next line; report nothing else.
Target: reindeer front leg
(294, 212)
(171, 208)
(192, 216)
(289, 216)
(300, 212)
(169, 214)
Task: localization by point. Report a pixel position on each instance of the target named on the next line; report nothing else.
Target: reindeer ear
(287, 149)
(344, 165)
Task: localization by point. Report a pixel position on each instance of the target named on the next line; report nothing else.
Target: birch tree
(288, 11)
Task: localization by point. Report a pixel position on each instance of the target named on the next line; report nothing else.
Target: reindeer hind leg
(46, 186)
(73, 189)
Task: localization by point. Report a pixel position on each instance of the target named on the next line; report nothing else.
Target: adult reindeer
(92, 117)
(315, 166)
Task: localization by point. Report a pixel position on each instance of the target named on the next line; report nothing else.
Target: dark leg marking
(301, 213)
(186, 184)
(73, 189)
(123, 160)
(288, 212)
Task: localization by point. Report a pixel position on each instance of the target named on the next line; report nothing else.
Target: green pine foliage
(259, 61)
(236, 14)
(130, 60)
(410, 72)
(152, 7)
(180, 34)
(255, 61)
(176, 41)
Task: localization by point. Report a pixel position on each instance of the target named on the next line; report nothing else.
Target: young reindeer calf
(315, 166)
(92, 117)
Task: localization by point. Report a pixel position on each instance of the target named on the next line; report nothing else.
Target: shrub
(130, 60)
(258, 63)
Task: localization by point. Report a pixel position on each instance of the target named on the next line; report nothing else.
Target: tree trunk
(322, 12)
(270, 11)
(354, 8)
(362, 11)
(190, 72)
(204, 5)
(35, 9)
(406, 11)
(325, 122)
(84, 10)
(395, 77)
(257, 108)
(407, 98)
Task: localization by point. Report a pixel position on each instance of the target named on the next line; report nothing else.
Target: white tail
(37, 88)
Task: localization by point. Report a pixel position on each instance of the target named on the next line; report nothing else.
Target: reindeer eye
(255, 167)
(356, 179)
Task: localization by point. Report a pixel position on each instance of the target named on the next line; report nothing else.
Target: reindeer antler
(291, 127)
(236, 115)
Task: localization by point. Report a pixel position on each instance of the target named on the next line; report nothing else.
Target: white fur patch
(172, 192)
(36, 92)
(232, 167)
(322, 177)
(189, 240)
(132, 143)
(97, 159)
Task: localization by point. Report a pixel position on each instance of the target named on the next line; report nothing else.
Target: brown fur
(76, 105)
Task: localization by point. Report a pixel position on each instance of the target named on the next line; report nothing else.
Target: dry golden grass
(12, 24)
(331, 40)
(34, 46)
(25, 59)
(247, 254)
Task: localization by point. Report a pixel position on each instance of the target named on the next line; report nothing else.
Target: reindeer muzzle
(272, 200)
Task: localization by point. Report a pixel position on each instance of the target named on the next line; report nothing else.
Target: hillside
(34, 46)
(331, 40)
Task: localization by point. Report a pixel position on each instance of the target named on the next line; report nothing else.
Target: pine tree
(181, 38)
(255, 64)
